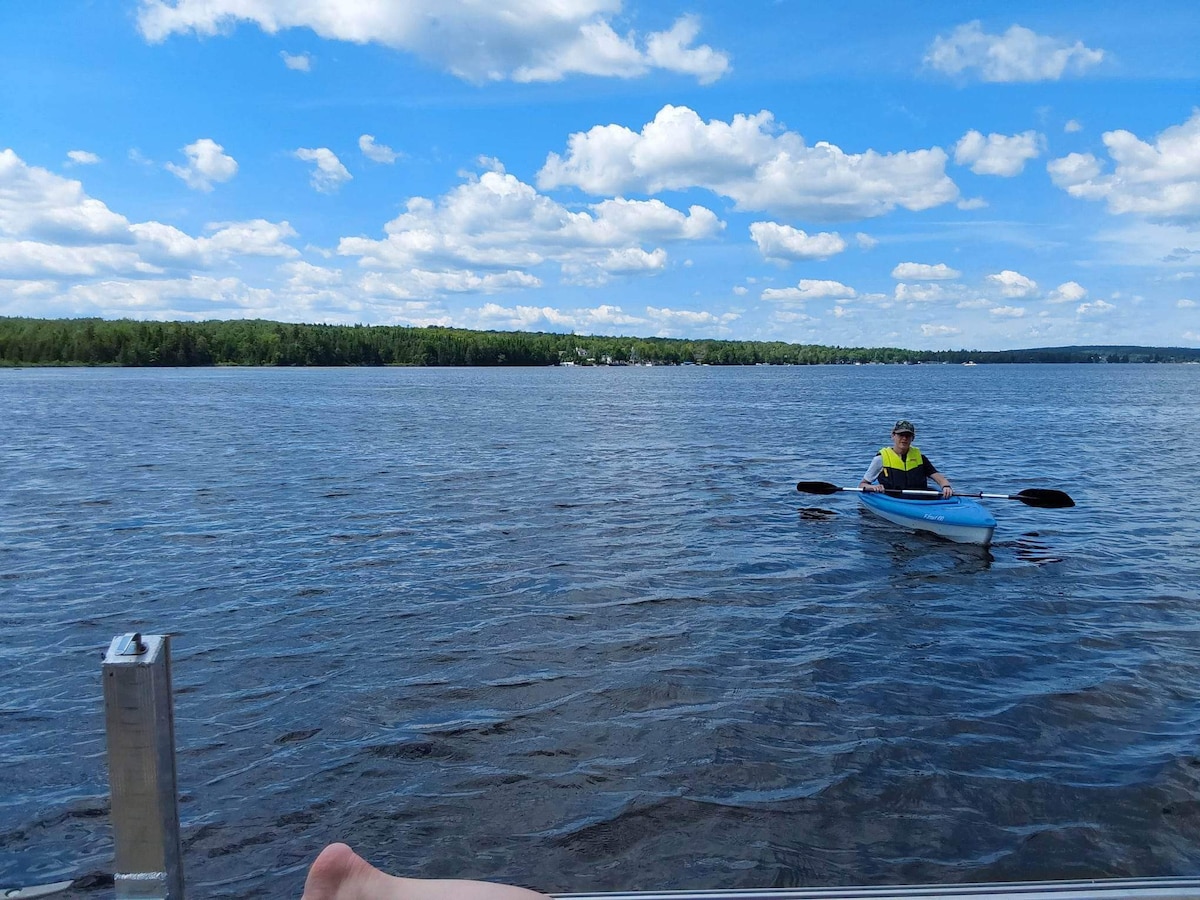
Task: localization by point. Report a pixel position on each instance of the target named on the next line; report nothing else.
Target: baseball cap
(902, 426)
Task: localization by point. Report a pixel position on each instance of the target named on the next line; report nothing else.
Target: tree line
(248, 342)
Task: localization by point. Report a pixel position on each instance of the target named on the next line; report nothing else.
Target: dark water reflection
(576, 629)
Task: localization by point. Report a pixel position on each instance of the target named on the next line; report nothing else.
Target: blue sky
(926, 175)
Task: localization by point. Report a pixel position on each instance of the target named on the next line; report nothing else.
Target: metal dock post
(140, 722)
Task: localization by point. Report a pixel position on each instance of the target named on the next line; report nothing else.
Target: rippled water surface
(575, 628)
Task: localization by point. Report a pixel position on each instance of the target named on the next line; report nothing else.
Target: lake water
(576, 629)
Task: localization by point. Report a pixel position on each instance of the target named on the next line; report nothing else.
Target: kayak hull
(958, 519)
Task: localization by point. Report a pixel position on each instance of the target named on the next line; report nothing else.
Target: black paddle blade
(1044, 498)
(817, 487)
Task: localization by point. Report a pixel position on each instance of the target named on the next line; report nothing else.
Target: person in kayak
(903, 467)
(339, 873)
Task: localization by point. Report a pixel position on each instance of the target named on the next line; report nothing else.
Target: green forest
(244, 342)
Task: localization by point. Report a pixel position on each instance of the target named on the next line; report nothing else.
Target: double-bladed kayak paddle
(1042, 498)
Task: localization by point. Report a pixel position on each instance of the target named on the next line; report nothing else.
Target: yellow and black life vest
(903, 474)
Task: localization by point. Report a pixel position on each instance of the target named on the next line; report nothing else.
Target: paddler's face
(901, 441)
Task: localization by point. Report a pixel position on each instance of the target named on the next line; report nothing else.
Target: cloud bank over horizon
(599, 164)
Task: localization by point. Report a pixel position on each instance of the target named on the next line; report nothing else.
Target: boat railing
(140, 722)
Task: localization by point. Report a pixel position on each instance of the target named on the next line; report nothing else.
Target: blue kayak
(957, 519)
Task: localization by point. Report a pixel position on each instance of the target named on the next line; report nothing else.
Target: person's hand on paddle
(873, 488)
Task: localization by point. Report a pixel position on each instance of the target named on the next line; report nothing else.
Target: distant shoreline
(254, 342)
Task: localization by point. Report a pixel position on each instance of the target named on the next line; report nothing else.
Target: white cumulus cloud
(418, 283)
(496, 222)
(255, 237)
(670, 322)
(305, 276)
(672, 50)
(1008, 312)
(910, 271)
(329, 173)
(380, 153)
(1159, 180)
(810, 289)
(602, 319)
(606, 314)
(783, 242)
(1098, 308)
(1074, 174)
(930, 330)
(35, 259)
(649, 219)
(997, 154)
(165, 246)
(207, 163)
(1186, 304)
(521, 40)
(926, 292)
(298, 62)
(37, 205)
(82, 158)
(51, 229)
(1013, 284)
(629, 260)
(1067, 292)
(1017, 55)
(748, 160)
